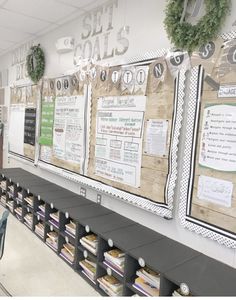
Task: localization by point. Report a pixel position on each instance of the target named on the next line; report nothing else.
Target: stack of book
(39, 229)
(11, 190)
(10, 205)
(54, 219)
(52, 240)
(147, 282)
(68, 252)
(30, 200)
(178, 293)
(89, 268)
(3, 199)
(71, 228)
(41, 211)
(19, 196)
(29, 219)
(18, 211)
(4, 184)
(90, 242)
(110, 285)
(115, 260)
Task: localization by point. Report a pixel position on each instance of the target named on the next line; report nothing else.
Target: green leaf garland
(35, 63)
(188, 37)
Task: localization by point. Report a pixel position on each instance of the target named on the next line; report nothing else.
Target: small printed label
(110, 242)
(141, 262)
(87, 229)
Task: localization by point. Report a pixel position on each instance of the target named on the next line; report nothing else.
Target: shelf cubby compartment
(54, 218)
(68, 227)
(10, 204)
(18, 212)
(29, 200)
(66, 250)
(51, 238)
(87, 265)
(11, 190)
(20, 195)
(110, 285)
(3, 199)
(3, 184)
(40, 210)
(39, 229)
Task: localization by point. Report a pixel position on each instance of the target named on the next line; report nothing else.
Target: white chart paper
(68, 131)
(119, 134)
(215, 190)
(16, 129)
(218, 140)
(156, 137)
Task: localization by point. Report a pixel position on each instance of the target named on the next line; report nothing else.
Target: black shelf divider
(176, 263)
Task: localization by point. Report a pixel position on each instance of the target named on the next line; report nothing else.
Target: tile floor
(30, 268)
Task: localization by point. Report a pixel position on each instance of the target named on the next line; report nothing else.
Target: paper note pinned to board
(215, 190)
(156, 137)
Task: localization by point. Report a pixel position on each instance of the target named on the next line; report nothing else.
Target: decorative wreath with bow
(187, 36)
(35, 63)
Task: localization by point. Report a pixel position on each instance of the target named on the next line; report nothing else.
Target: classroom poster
(119, 134)
(16, 129)
(218, 139)
(47, 119)
(30, 126)
(68, 129)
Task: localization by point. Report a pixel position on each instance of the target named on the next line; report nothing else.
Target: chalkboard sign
(30, 126)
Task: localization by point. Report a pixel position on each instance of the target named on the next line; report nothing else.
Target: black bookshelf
(176, 263)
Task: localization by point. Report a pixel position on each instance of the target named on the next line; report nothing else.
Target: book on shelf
(29, 218)
(42, 207)
(146, 287)
(110, 285)
(3, 184)
(90, 242)
(18, 210)
(11, 188)
(89, 268)
(117, 269)
(54, 223)
(149, 276)
(10, 204)
(30, 200)
(67, 255)
(53, 236)
(55, 216)
(19, 195)
(39, 228)
(51, 243)
(3, 199)
(115, 257)
(71, 228)
(70, 248)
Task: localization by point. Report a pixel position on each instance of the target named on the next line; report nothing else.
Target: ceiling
(24, 20)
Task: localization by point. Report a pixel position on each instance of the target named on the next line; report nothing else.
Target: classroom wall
(146, 33)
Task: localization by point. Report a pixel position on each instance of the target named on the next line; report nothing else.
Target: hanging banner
(47, 120)
(158, 72)
(30, 126)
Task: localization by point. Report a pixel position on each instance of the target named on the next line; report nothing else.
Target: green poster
(47, 119)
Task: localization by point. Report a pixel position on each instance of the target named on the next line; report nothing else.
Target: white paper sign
(215, 190)
(119, 135)
(68, 131)
(156, 137)
(16, 129)
(218, 139)
(46, 154)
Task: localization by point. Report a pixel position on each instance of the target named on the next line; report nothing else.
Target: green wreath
(188, 37)
(35, 63)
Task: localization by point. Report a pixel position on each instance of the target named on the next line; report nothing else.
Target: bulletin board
(129, 131)
(63, 126)
(208, 198)
(23, 121)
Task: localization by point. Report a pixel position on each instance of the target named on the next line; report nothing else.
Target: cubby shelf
(176, 263)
